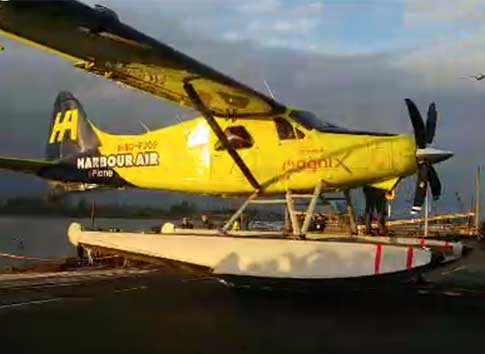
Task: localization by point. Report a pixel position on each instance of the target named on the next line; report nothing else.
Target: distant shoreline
(48, 216)
(39, 207)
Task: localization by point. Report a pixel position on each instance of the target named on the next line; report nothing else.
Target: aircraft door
(294, 149)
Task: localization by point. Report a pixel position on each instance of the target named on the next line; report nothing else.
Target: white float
(262, 257)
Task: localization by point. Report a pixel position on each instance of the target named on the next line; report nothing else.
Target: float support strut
(293, 215)
(238, 213)
(311, 208)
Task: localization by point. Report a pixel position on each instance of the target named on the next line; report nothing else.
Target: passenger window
(238, 137)
(284, 129)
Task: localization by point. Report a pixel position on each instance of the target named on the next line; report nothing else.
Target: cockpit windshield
(310, 121)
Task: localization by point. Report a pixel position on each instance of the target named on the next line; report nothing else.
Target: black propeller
(424, 135)
(431, 123)
(418, 124)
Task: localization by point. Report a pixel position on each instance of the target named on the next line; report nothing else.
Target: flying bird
(477, 77)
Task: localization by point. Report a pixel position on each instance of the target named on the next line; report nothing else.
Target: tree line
(84, 208)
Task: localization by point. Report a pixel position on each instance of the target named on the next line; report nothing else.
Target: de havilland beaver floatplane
(244, 143)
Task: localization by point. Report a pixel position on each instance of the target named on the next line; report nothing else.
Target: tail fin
(70, 132)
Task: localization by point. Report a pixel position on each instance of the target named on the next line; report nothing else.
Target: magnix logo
(62, 124)
(315, 165)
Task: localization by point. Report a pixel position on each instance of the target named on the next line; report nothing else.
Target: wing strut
(216, 128)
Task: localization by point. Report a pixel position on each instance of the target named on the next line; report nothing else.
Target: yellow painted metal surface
(37, 45)
(184, 157)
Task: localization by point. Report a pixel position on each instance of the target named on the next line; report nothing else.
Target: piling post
(426, 214)
(93, 213)
(478, 199)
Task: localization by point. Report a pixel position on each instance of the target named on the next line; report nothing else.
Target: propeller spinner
(425, 156)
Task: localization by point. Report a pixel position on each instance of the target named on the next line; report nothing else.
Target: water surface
(46, 237)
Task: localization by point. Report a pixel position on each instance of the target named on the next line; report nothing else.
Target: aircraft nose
(433, 155)
(403, 155)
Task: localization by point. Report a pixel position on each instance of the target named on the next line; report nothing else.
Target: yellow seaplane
(244, 142)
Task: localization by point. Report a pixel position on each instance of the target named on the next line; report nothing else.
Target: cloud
(300, 26)
(455, 51)
(260, 7)
(422, 13)
(444, 62)
(233, 36)
(276, 25)
(263, 22)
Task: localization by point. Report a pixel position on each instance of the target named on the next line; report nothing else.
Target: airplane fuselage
(188, 157)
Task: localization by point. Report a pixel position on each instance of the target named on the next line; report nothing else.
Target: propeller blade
(421, 187)
(434, 183)
(418, 124)
(431, 123)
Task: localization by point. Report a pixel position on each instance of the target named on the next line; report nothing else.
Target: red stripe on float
(378, 260)
(409, 263)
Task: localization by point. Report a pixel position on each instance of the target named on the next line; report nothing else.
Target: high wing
(24, 165)
(97, 41)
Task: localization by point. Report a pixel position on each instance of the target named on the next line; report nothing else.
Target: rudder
(70, 132)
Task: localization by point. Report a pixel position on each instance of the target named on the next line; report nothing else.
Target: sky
(352, 62)
(331, 26)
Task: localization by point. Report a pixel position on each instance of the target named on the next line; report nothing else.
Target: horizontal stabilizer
(25, 165)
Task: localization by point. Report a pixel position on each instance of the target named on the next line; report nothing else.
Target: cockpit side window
(238, 137)
(299, 134)
(284, 129)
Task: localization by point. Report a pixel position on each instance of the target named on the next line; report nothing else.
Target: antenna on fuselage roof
(143, 125)
(269, 90)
